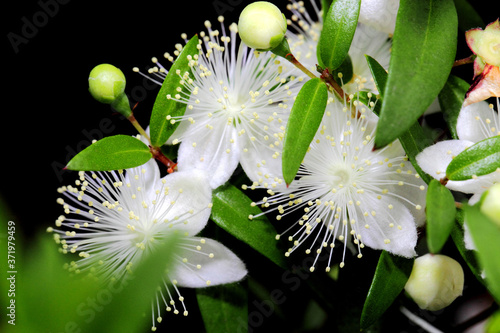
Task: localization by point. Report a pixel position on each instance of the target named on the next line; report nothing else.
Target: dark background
(47, 112)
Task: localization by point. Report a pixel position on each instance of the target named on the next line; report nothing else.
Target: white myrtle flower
(113, 219)
(475, 122)
(238, 104)
(344, 190)
(366, 40)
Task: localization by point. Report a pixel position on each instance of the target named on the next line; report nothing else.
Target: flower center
(339, 176)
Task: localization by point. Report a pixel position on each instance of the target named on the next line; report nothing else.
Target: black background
(47, 112)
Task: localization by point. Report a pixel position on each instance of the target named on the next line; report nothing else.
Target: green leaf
(493, 323)
(337, 33)
(224, 308)
(457, 234)
(302, 125)
(441, 211)
(414, 139)
(379, 74)
(423, 52)
(451, 99)
(486, 235)
(345, 69)
(111, 153)
(389, 280)
(479, 159)
(132, 297)
(160, 127)
(231, 210)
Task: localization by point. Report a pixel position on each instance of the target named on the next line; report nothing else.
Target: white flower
(344, 190)
(113, 219)
(236, 111)
(379, 14)
(365, 41)
(475, 122)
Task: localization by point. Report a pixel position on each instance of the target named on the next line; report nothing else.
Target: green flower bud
(262, 26)
(490, 205)
(107, 85)
(435, 281)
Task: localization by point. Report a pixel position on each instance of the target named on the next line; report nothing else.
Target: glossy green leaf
(302, 125)
(224, 308)
(231, 210)
(457, 234)
(414, 139)
(486, 235)
(379, 74)
(479, 159)
(160, 127)
(389, 280)
(338, 31)
(111, 153)
(440, 212)
(451, 99)
(423, 52)
(493, 323)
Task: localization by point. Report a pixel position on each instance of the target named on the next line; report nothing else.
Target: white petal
(435, 159)
(216, 153)
(393, 230)
(223, 267)
(149, 173)
(468, 242)
(188, 203)
(471, 122)
(261, 163)
(379, 14)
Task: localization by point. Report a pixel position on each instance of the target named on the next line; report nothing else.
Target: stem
(138, 127)
(158, 155)
(464, 61)
(290, 57)
(325, 76)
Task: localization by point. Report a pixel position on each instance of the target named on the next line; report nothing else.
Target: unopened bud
(262, 26)
(435, 281)
(490, 205)
(107, 85)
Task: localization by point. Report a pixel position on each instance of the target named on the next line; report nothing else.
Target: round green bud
(435, 281)
(262, 26)
(490, 205)
(106, 83)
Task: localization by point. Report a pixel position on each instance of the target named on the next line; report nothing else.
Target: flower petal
(435, 159)
(220, 268)
(148, 172)
(379, 14)
(261, 163)
(486, 85)
(471, 122)
(216, 153)
(392, 229)
(188, 202)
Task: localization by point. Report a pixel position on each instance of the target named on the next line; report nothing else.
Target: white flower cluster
(238, 102)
